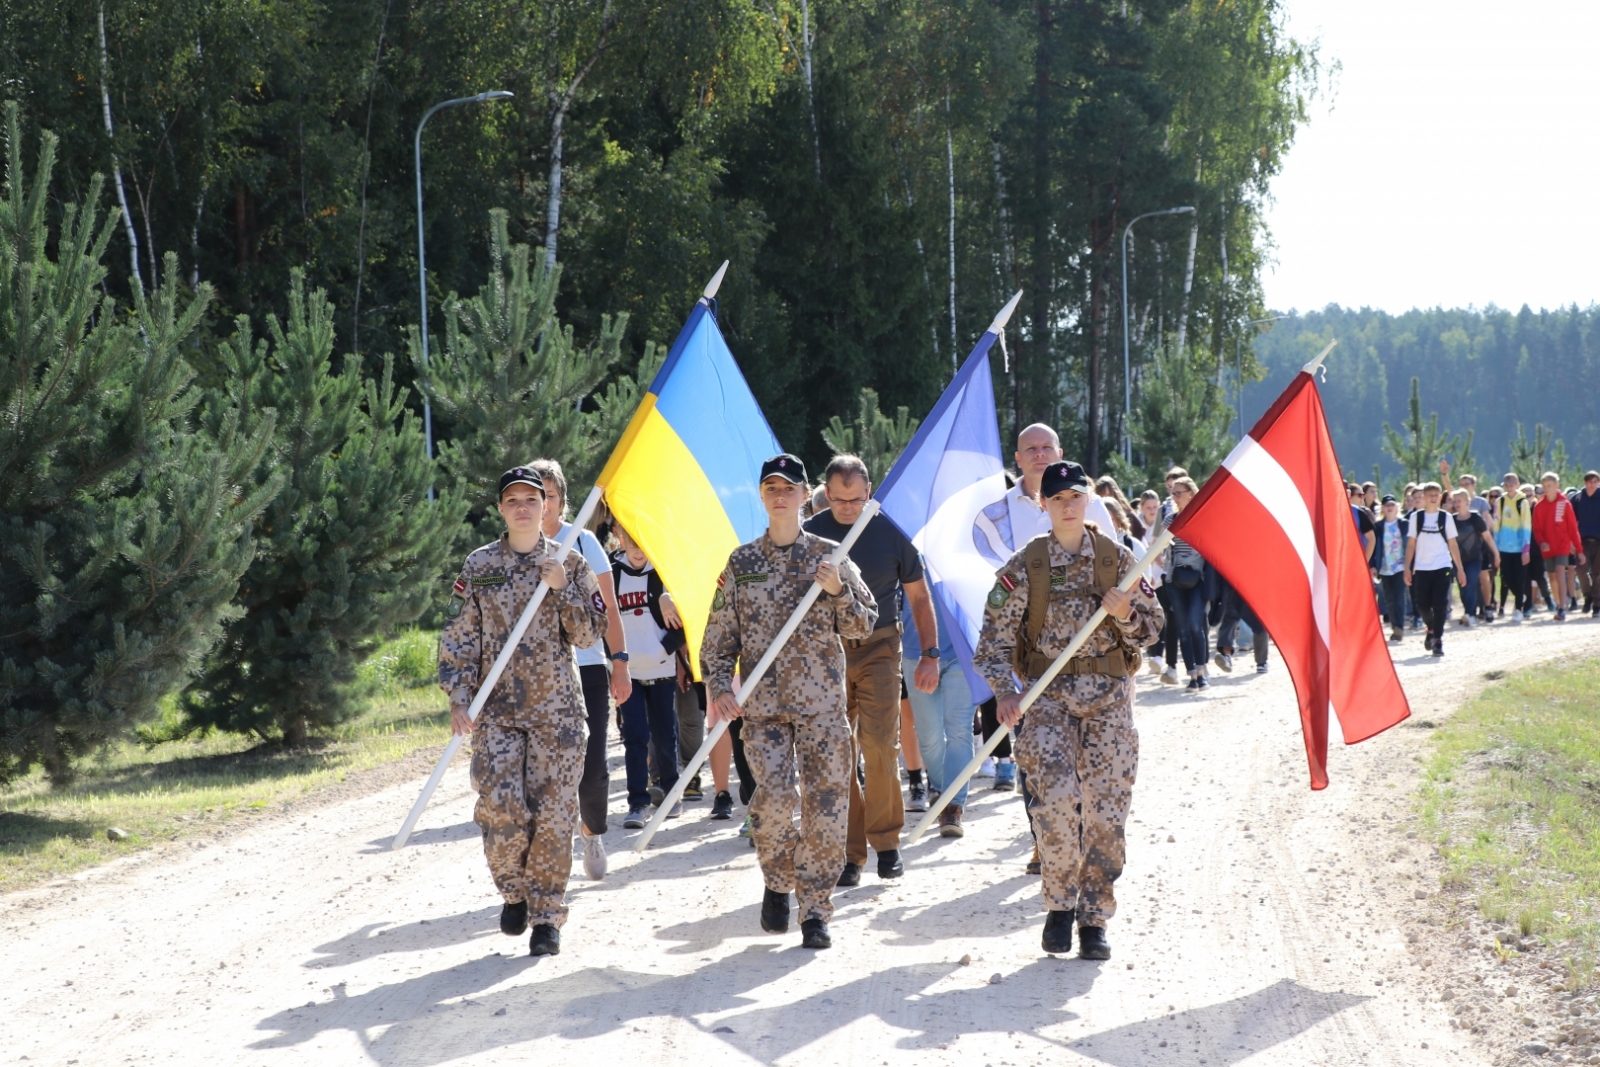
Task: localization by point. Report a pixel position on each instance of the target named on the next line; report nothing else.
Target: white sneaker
(594, 856)
(1169, 676)
(986, 769)
(1156, 666)
(1224, 661)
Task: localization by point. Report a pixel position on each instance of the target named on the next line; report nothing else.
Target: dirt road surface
(1260, 923)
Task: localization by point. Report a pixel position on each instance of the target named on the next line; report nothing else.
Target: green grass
(1512, 794)
(189, 788)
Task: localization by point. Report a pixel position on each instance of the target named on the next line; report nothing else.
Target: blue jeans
(1189, 609)
(944, 724)
(1394, 598)
(650, 721)
(1469, 595)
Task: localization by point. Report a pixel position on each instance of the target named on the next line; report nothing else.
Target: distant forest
(1484, 371)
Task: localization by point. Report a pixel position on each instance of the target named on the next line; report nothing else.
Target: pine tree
(124, 530)
(875, 437)
(510, 382)
(1528, 457)
(1180, 419)
(1422, 447)
(349, 550)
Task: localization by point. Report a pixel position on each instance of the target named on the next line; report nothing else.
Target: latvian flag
(1275, 522)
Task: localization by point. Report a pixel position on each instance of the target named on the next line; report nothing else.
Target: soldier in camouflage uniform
(528, 742)
(794, 719)
(1078, 746)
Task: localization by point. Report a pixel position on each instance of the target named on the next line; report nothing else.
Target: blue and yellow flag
(683, 481)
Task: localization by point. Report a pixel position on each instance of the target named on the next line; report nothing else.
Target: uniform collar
(509, 557)
(1085, 547)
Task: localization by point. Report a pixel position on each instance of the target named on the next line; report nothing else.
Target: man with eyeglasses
(889, 564)
(529, 740)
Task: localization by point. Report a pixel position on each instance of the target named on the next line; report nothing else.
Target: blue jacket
(1587, 507)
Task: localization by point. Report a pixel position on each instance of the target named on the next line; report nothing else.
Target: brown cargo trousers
(872, 683)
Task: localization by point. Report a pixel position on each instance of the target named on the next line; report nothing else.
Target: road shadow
(433, 835)
(1224, 1033)
(377, 939)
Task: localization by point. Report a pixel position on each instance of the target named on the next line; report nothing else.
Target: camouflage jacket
(1072, 601)
(540, 684)
(756, 593)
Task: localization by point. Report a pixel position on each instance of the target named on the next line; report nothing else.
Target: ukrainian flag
(684, 478)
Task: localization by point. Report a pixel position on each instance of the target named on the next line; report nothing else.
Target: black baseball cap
(521, 476)
(785, 466)
(1060, 476)
(1388, 498)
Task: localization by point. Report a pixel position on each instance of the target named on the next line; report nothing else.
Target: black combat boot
(851, 875)
(775, 912)
(514, 918)
(1057, 937)
(546, 941)
(814, 934)
(889, 865)
(1092, 943)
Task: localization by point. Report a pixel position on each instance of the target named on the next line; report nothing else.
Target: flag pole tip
(1004, 317)
(1312, 367)
(715, 283)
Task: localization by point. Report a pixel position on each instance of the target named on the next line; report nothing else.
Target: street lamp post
(1127, 382)
(1238, 368)
(422, 257)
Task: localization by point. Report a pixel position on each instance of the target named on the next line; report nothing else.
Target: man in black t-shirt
(889, 564)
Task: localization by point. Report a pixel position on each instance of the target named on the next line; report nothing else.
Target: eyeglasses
(847, 502)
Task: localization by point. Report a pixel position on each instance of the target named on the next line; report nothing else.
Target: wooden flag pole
(748, 683)
(1157, 546)
(500, 662)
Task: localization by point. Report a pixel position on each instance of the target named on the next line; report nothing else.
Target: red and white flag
(1276, 523)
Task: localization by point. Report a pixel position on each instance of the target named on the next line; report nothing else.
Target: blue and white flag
(938, 492)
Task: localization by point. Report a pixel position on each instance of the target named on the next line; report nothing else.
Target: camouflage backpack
(1028, 661)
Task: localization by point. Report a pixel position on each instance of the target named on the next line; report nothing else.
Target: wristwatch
(930, 653)
(620, 657)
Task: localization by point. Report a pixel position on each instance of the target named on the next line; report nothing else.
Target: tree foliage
(1490, 370)
(346, 552)
(125, 527)
(1423, 446)
(1180, 420)
(873, 436)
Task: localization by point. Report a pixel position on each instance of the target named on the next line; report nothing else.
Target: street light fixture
(1238, 368)
(422, 263)
(1127, 383)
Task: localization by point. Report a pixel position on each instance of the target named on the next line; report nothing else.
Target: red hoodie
(1555, 527)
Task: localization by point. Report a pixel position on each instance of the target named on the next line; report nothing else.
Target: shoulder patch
(751, 579)
(1000, 593)
(597, 602)
(1144, 587)
(488, 579)
(1009, 582)
(717, 600)
(459, 589)
(722, 579)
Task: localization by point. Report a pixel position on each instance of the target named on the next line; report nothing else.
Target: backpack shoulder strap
(1036, 557)
(1106, 559)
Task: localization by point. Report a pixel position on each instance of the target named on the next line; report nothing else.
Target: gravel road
(1260, 924)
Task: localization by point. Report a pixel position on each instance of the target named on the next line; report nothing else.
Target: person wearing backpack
(649, 715)
(1476, 549)
(1389, 564)
(1078, 746)
(1431, 558)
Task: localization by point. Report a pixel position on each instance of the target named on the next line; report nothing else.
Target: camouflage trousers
(527, 783)
(814, 750)
(1080, 776)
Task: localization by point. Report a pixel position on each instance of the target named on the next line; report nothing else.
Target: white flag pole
(747, 684)
(500, 662)
(1157, 546)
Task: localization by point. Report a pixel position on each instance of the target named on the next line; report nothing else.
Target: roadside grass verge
(1512, 795)
(187, 788)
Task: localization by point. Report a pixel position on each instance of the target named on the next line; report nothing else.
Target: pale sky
(1455, 164)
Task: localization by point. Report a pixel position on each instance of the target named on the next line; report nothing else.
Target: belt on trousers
(1114, 663)
(883, 633)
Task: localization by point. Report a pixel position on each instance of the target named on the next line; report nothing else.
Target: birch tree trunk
(811, 101)
(1188, 284)
(560, 104)
(950, 163)
(116, 166)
